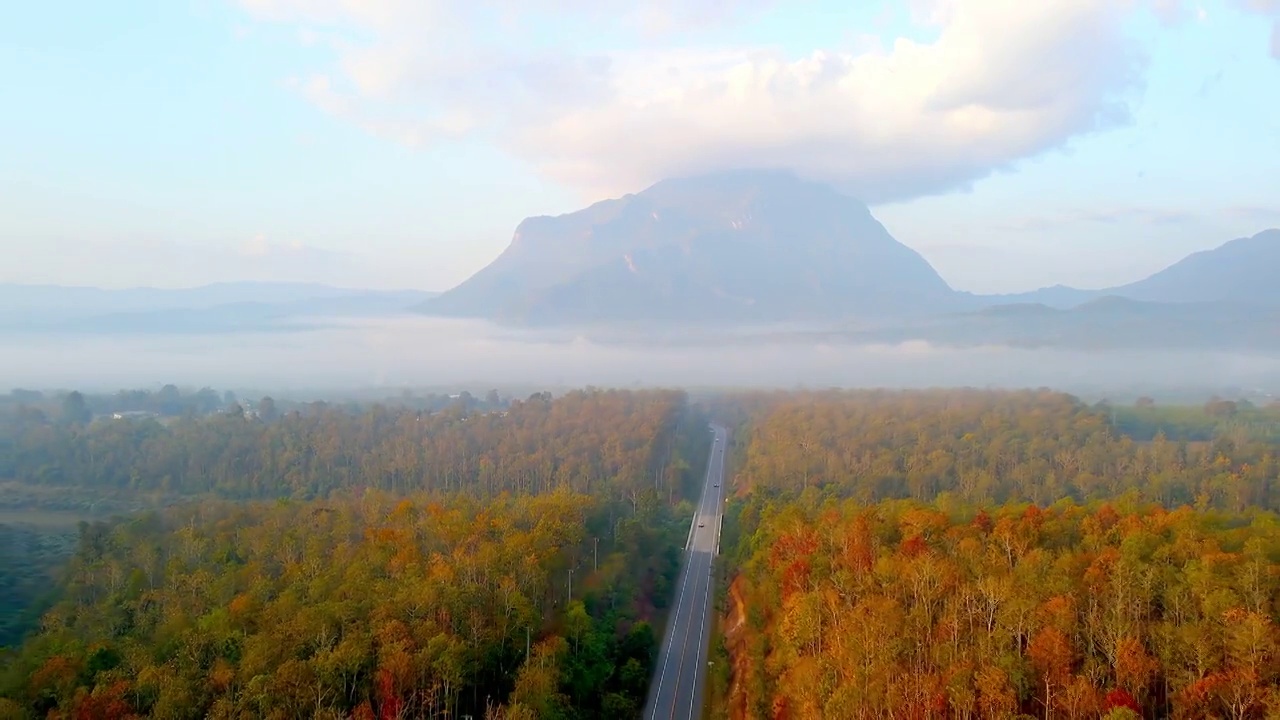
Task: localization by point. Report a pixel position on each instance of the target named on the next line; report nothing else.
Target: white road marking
(710, 501)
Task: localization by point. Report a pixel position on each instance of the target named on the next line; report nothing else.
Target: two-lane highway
(679, 679)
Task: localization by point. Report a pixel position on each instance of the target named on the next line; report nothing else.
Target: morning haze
(411, 352)
(743, 278)
(671, 360)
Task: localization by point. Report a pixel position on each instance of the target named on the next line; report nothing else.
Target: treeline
(1238, 419)
(906, 610)
(615, 443)
(991, 447)
(365, 605)
(171, 401)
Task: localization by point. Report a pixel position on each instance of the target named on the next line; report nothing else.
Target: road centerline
(670, 695)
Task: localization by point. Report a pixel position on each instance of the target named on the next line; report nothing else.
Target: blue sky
(397, 144)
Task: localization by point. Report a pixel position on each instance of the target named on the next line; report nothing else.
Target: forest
(171, 401)
(965, 554)
(984, 446)
(617, 443)
(889, 554)
(365, 606)
(361, 562)
(29, 557)
(903, 609)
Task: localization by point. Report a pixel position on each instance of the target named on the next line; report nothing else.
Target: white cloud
(999, 81)
(916, 119)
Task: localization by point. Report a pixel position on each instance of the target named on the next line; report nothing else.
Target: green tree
(75, 411)
(267, 409)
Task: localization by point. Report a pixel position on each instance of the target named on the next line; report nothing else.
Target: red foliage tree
(1119, 698)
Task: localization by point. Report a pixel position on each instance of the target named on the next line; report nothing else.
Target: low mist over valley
(418, 351)
(743, 279)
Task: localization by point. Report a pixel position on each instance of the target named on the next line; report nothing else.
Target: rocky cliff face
(744, 246)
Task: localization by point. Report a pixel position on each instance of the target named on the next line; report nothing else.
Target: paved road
(679, 679)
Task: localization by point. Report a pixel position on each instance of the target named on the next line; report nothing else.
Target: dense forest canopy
(370, 605)
(618, 442)
(30, 556)
(361, 561)
(905, 610)
(997, 446)
(968, 554)
(924, 554)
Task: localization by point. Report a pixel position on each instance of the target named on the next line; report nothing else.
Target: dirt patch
(735, 642)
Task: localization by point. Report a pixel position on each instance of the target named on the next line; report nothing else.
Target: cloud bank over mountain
(958, 89)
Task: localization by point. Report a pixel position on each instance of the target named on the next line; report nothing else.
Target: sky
(397, 143)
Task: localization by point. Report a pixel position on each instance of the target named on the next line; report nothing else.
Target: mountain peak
(751, 245)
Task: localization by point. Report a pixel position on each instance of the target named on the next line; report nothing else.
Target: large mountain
(1242, 273)
(748, 246)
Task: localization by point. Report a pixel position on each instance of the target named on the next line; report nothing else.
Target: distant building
(134, 415)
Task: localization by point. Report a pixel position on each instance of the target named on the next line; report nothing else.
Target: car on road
(702, 524)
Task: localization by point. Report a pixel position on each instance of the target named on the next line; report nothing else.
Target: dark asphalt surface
(681, 674)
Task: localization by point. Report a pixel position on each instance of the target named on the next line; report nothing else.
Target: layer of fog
(422, 352)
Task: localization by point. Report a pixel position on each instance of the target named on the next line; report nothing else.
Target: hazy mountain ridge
(747, 246)
(765, 247)
(725, 252)
(760, 247)
(219, 307)
(1220, 298)
(1240, 272)
(1107, 323)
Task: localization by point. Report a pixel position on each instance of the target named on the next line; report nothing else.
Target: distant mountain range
(1106, 323)
(767, 248)
(222, 307)
(748, 253)
(1241, 272)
